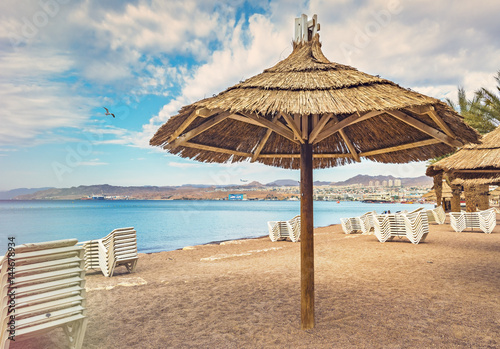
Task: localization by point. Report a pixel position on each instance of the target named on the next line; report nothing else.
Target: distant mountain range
(10, 194)
(187, 190)
(359, 179)
(405, 182)
(91, 190)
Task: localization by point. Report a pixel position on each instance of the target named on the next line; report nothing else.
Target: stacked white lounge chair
(417, 226)
(284, 229)
(412, 225)
(363, 223)
(484, 220)
(436, 215)
(117, 248)
(49, 292)
(382, 228)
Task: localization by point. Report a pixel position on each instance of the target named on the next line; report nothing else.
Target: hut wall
(470, 198)
(455, 200)
(482, 195)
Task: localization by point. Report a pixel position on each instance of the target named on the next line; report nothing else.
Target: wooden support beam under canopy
(425, 128)
(348, 142)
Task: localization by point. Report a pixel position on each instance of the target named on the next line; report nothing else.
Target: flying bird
(108, 113)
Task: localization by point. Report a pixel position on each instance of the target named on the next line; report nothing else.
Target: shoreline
(225, 242)
(216, 242)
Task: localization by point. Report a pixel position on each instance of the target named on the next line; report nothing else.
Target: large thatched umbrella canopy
(351, 114)
(307, 112)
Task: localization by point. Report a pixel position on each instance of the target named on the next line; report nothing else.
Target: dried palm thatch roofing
(346, 114)
(474, 163)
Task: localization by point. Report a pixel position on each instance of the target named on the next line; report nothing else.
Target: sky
(62, 61)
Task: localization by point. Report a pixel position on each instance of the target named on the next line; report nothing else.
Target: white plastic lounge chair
(436, 215)
(483, 220)
(284, 229)
(418, 209)
(49, 292)
(363, 223)
(382, 229)
(457, 221)
(487, 220)
(413, 225)
(118, 248)
(417, 226)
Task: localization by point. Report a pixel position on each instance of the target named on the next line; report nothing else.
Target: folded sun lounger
(413, 225)
(49, 289)
(483, 220)
(285, 229)
(363, 223)
(118, 248)
(436, 215)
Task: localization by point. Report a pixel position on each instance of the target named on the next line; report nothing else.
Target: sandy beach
(442, 293)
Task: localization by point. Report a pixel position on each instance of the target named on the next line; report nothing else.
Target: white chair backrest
(49, 290)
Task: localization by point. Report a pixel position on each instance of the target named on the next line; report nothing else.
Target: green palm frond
(490, 102)
(482, 112)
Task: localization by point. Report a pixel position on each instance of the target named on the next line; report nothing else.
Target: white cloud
(93, 162)
(183, 164)
(55, 58)
(428, 44)
(31, 103)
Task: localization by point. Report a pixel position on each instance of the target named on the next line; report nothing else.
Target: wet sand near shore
(444, 292)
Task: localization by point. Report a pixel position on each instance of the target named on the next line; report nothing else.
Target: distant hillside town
(358, 188)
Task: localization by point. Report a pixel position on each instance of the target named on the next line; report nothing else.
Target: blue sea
(163, 225)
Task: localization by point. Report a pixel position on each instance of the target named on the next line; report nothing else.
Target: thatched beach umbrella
(495, 193)
(307, 112)
(475, 166)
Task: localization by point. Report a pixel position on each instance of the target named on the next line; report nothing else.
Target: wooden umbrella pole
(438, 188)
(306, 236)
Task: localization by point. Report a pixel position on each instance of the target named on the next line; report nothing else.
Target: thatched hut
(494, 196)
(447, 197)
(495, 193)
(474, 167)
(308, 112)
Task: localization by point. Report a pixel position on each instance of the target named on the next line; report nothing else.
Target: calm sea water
(163, 225)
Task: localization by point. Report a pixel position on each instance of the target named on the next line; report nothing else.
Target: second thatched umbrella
(308, 112)
(475, 166)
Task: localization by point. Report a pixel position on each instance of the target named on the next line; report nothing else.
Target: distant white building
(397, 182)
(391, 183)
(384, 183)
(377, 183)
(370, 183)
